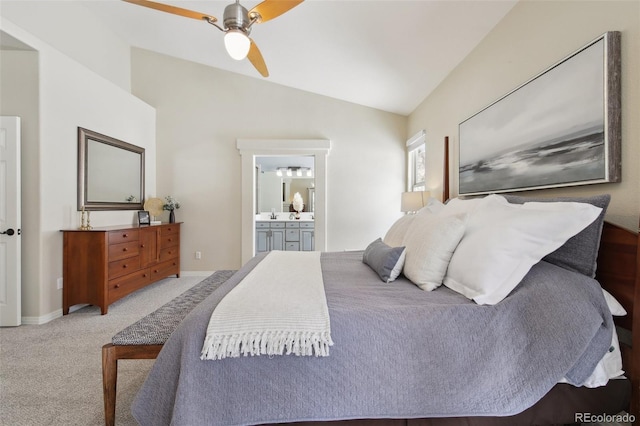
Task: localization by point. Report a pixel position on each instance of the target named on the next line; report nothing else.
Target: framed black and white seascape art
(561, 128)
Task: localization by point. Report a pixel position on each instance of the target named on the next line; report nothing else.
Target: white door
(10, 277)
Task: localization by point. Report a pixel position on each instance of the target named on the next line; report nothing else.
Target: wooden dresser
(103, 265)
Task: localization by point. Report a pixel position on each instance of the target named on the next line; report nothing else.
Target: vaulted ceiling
(387, 55)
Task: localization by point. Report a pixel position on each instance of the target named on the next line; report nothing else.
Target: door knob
(8, 232)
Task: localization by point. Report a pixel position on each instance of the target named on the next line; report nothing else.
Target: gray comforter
(399, 352)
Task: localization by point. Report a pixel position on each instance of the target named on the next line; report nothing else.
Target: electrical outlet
(59, 283)
(198, 255)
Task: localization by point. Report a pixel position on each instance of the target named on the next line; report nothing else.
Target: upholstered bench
(144, 338)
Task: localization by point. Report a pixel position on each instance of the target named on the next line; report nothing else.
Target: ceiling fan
(237, 24)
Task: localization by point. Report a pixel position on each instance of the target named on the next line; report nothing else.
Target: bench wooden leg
(110, 356)
(109, 381)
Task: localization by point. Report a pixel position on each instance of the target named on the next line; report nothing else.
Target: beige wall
(98, 49)
(202, 111)
(67, 95)
(19, 87)
(532, 37)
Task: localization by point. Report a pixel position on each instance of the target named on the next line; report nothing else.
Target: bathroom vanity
(289, 235)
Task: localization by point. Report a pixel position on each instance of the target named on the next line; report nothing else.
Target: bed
(182, 389)
(388, 335)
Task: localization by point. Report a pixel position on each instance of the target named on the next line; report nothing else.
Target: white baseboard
(43, 319)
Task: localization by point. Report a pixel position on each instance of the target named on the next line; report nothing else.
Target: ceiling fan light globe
(237, 44)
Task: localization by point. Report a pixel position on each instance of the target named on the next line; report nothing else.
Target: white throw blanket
(279, 308)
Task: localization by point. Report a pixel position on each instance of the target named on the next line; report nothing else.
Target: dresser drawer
(277, 225)
(306, 225)
(116, 237)
(124, 266)
(169, 229)
(126, 284)
(293, 225)
(123, 250)
(163, 269)
(169, 253)
(169, 240)
(262, 225)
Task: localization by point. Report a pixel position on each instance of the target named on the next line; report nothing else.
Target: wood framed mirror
(110, 173)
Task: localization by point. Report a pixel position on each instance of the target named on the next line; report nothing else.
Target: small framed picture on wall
(144, 218)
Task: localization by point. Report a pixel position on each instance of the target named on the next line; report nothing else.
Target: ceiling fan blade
(270, 9)
(173, 9)
(255, 57)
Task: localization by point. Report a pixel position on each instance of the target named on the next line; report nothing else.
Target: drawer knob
(169, 239)
(144, 275)
(124, 266)
(125, 235)
(117, 286)
(125, 249)
(141, 245)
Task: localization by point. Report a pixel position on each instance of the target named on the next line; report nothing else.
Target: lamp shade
(414, 201)
(237, 44)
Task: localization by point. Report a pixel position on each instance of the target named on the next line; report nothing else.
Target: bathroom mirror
(110, 173)
(278, 178)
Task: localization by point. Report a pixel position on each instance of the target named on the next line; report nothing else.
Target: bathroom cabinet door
(306, 240)
(277, 239)
(262, 240)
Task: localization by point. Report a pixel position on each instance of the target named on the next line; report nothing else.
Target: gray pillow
(384, 260)
(580, 252)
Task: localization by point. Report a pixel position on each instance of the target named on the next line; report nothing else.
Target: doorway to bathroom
(252, 150)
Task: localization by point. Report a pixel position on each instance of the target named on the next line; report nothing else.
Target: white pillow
(433, 205)
(503, 241)
(614, 306)
(395, 234)
(458, 206)
(430, 242)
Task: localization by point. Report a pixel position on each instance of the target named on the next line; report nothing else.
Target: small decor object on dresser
(171, 204)
(143, 218)
(154, 206)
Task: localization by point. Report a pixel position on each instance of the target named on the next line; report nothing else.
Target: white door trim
(249, 150)
(10, 247)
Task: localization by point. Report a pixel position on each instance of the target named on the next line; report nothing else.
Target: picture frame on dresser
(144, 218)
(561, 128)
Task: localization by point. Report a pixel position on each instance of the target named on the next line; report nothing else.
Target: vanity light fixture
(299, 171)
